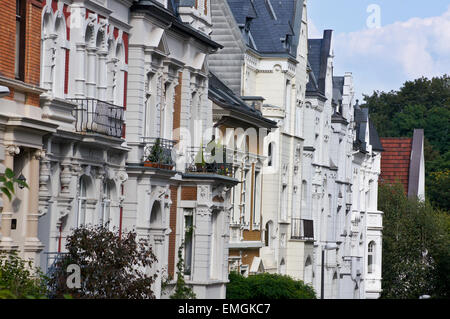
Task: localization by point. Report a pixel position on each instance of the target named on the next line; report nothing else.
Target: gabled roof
(363, 122)
(318, 52)
(374, 138)
(270, 21)
(338, 89)
(403, 161)
(224, 97)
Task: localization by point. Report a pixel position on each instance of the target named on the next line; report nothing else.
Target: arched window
(47, 52)
(287, 105)
(268, 234)
(304, 192)
(195, 116)
(53, 53)
(118, 92)
(334, 286)
(270, 154)
(82, 201)
(247, 144)
(60, 58)
(308, 271)
(371, 257)
(106, 203)
(90, 65)
(188, 241)
(284, 203)
(102, 68)
(282, 267)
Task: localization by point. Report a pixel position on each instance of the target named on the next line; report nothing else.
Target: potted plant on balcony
(167, 162)
(199, 160)
(219, 164)
(155, 156)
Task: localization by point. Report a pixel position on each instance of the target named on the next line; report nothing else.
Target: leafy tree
(112, 266)
(18, 279)
(7, 181)
(421, 103)
(267, 286)
(416, 241)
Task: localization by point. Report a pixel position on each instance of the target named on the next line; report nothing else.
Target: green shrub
(18, 279)
(112, 266)
(267, 286)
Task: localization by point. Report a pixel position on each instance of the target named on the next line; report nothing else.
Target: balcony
(96, 116)
(52, 258)
(158, 153)
(203, 160)
(302, 229)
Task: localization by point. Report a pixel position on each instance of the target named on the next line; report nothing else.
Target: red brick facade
(32, 52)
(173, 227)
(395, 160)
(8, 38)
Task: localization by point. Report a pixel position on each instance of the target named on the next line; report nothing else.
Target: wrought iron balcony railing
(302, 229)
(98, 116)
(159, 152)
(51, 261)
(204, 160)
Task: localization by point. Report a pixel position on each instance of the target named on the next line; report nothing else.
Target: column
(91, 81)
(33, 245)
(81, 78)
(158, 240)
(202, 250)
(6, 242)
(102, 72)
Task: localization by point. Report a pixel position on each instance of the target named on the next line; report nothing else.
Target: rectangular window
(308, 229)
(370, 264)
(20, 40)
(243, 199)
(215, 265)
(188, 242)
(284, 199)
(256, 198)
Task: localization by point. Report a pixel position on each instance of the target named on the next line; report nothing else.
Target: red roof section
(395, 160)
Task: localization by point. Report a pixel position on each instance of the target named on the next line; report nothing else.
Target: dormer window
(248, 21)
(270, 9)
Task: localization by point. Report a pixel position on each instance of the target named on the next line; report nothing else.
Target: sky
(385, 42)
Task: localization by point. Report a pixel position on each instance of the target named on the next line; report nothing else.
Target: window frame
(19, 57)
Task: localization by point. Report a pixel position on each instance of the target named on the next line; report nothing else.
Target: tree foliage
(267, 286)
(18, 278)
(416, 246)
(8, 180)
(422, 103)
(112, 266)
(182, 291)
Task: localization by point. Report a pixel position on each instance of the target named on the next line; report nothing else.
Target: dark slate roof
(338, 118)
(374, 138)
(184, 3)
(270, 22)
(362, 120)
(338, 88)
(318, 52)
(225, 98)
(155, 9)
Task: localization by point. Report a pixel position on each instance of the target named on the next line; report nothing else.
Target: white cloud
(411, 49)
(313, 32)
